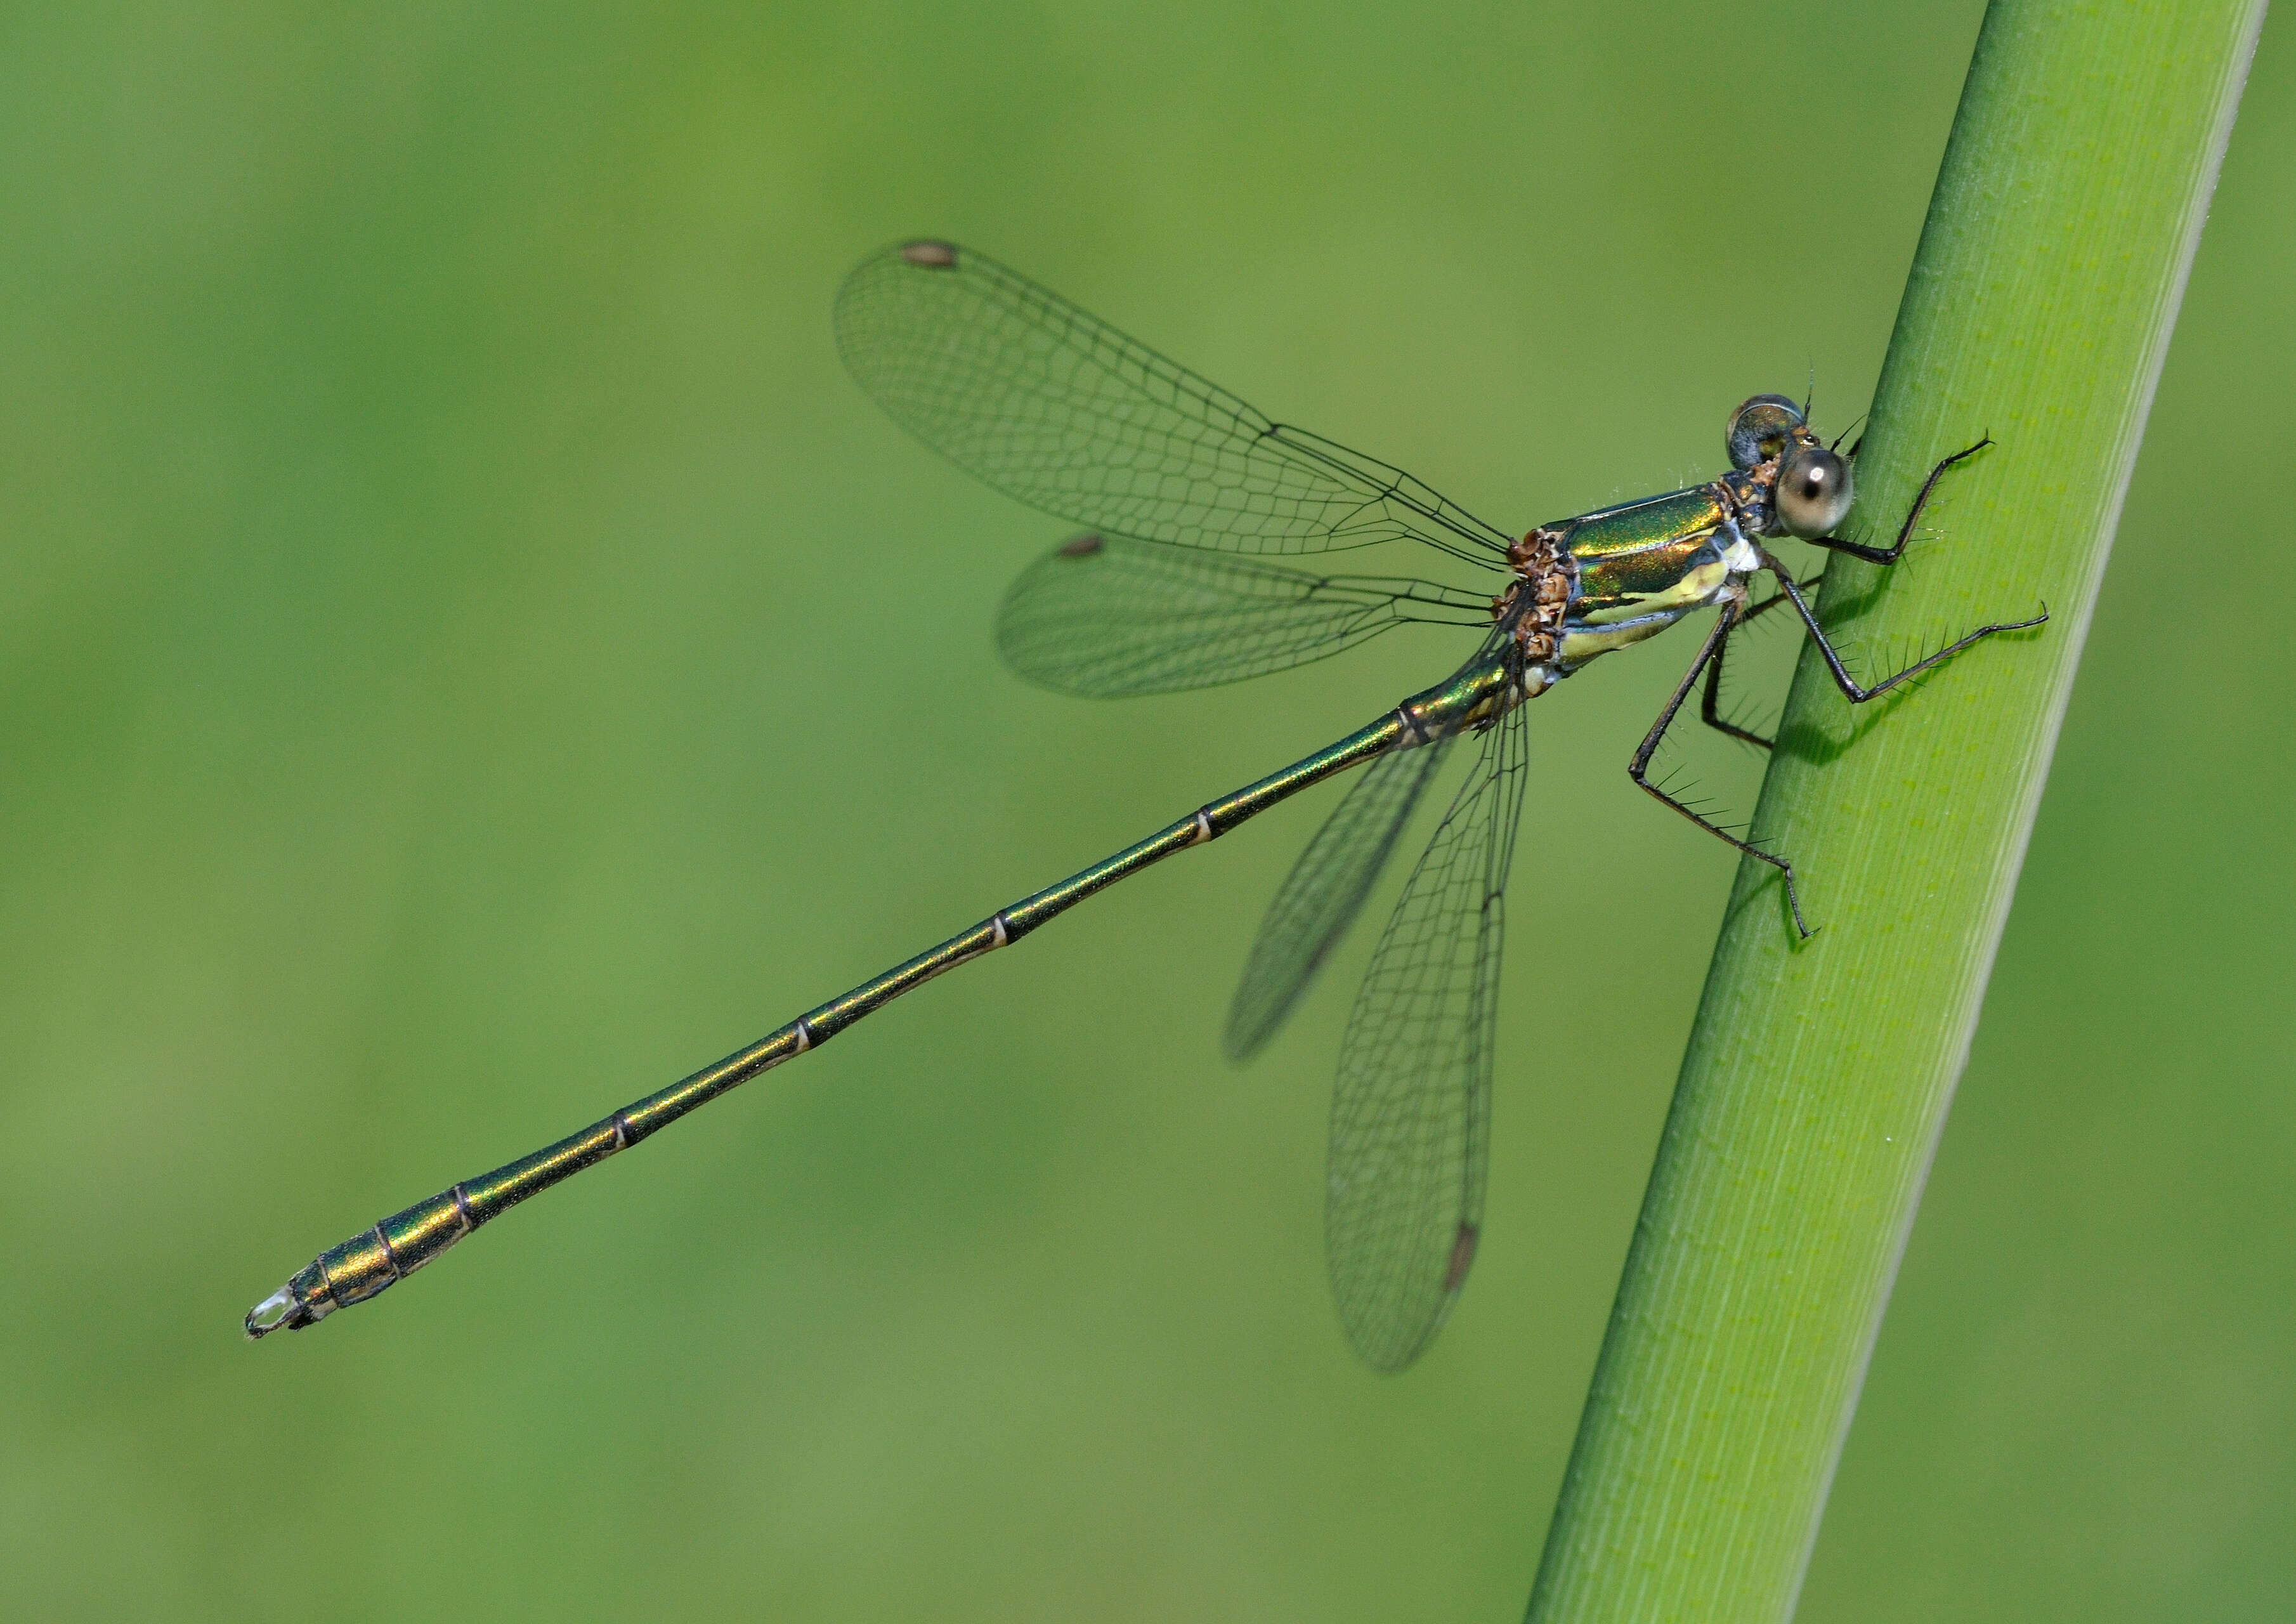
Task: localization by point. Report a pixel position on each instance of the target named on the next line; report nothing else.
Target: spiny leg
(1708, 653)
(1848, 685)
(1709, 707)
(1889, 555)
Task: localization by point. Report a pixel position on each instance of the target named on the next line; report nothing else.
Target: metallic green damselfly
(1191, 492)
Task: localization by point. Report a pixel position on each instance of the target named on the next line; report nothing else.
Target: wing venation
(1109, 617)
(1324, 891)
(1050, 405)
(1411, 1111)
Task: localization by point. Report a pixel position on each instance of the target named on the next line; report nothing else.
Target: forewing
(1411, 1113)
(1018, 387)
(1108, 617)
(1324, 891)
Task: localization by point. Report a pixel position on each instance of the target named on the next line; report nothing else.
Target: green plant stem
(1818, 1072)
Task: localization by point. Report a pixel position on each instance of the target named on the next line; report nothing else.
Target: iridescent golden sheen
(1664, 552)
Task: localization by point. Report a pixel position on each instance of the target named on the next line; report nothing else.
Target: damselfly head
(1763, 428)
(1813, 487)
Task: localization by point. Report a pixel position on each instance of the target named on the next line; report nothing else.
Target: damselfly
(1190, 493)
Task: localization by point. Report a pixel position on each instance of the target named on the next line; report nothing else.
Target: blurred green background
(470, 657)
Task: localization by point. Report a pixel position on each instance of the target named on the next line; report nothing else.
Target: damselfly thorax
(1600, 581)
(1633, 570)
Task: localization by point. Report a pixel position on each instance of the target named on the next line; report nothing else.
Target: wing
(1324, 891)
(1048, 404)
(1411, 1113)
(1106, 616)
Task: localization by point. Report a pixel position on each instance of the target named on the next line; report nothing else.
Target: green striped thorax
(1636, 568)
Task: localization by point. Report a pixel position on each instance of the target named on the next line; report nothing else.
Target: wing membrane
(1411, 1112)
(1108, 617)
(1324, 891)
(1050, 405)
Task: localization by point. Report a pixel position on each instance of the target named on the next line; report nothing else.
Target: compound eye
(1759, 428)
(1813, 492)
